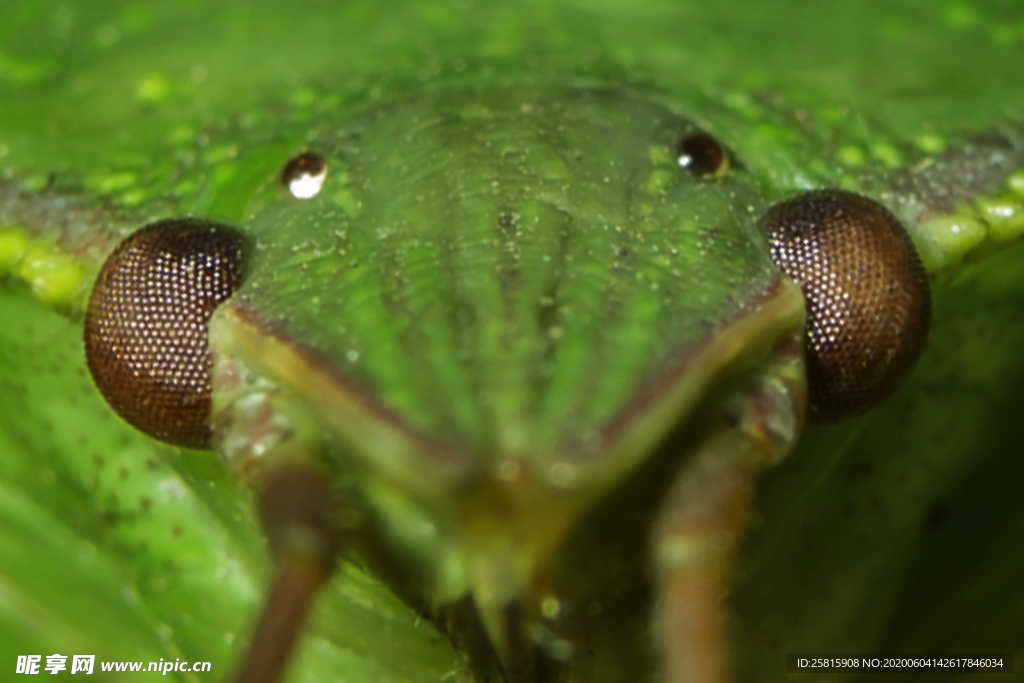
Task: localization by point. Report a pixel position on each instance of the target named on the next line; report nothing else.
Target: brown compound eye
(868, 302)
(146, 325)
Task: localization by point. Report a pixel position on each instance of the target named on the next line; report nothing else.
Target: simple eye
(304, 175)
(868, 303)
(146, 325)
(702, 155)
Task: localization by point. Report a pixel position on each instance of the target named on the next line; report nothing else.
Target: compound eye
(868, 302)
(146, 327)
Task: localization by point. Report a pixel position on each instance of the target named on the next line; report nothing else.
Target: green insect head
(455, 326)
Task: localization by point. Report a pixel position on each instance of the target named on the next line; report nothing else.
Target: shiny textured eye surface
(304, 175)
(702, 155)
(146, 325)
(868, 302)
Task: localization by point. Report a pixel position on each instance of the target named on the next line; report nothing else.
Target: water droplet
(304, 175)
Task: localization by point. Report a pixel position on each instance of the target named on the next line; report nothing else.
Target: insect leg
(298, 514)
(701, 522)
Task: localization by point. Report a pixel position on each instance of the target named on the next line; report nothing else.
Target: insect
(163, 542)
